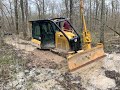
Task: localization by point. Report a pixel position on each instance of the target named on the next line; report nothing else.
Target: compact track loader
(53, 34)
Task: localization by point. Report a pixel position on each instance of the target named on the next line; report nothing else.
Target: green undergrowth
(11, 55)
(6, 59)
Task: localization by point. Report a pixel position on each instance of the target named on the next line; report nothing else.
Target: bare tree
(67, 9)
(102, 21)
(43, 9)
(26, 10)
(38, 4)
(23, 18)
(90, 15)
(11, 13)
(22, 10)
(114, 13)
(97, 6)
(0, 16)
(27, 17)
(71, 11)
(16, 15)
(1, 23)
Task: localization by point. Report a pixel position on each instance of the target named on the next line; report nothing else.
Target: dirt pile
(47, 58)
(34, 61)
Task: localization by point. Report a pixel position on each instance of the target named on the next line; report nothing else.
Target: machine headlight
(75, 40)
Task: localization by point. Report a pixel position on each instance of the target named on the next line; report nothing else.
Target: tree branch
(108, 27)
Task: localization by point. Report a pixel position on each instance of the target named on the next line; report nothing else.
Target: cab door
(36, 34)
(47, 35)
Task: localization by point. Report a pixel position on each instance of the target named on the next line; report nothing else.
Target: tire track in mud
(47, 59)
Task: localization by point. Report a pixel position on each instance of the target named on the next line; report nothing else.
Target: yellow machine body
(61, 41)
(35, 41)
(79, 54)
(79, 59)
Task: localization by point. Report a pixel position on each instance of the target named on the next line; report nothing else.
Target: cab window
(36, 33)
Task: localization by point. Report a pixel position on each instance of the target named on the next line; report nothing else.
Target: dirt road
(53, 71)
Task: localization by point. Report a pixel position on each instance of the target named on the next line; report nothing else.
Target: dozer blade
(83, 58)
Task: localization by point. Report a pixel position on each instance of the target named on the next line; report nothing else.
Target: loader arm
(85, 32)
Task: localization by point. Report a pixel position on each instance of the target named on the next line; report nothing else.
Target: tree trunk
(102, 21)
(23, 18)
(1, 24)
(16, 15)
(43, 10)
(27, 17)
(22, 10)
(96, 13)
(71, 11)
(12, 19)
(39, 9)
(90, 15)
(66, 7)
(26, 10)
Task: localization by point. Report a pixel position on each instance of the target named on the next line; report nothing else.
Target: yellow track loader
(53, 34)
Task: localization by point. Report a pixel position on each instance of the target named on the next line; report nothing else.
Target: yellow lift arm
(86, 34)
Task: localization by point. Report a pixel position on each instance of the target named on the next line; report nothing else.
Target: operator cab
(63, 24)
(49, 34)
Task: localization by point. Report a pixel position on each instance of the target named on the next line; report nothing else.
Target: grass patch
(8, 55)
(6, 59)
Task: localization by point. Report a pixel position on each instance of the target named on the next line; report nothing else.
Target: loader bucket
(83, 58)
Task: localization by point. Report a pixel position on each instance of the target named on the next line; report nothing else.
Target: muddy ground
(34, 69)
